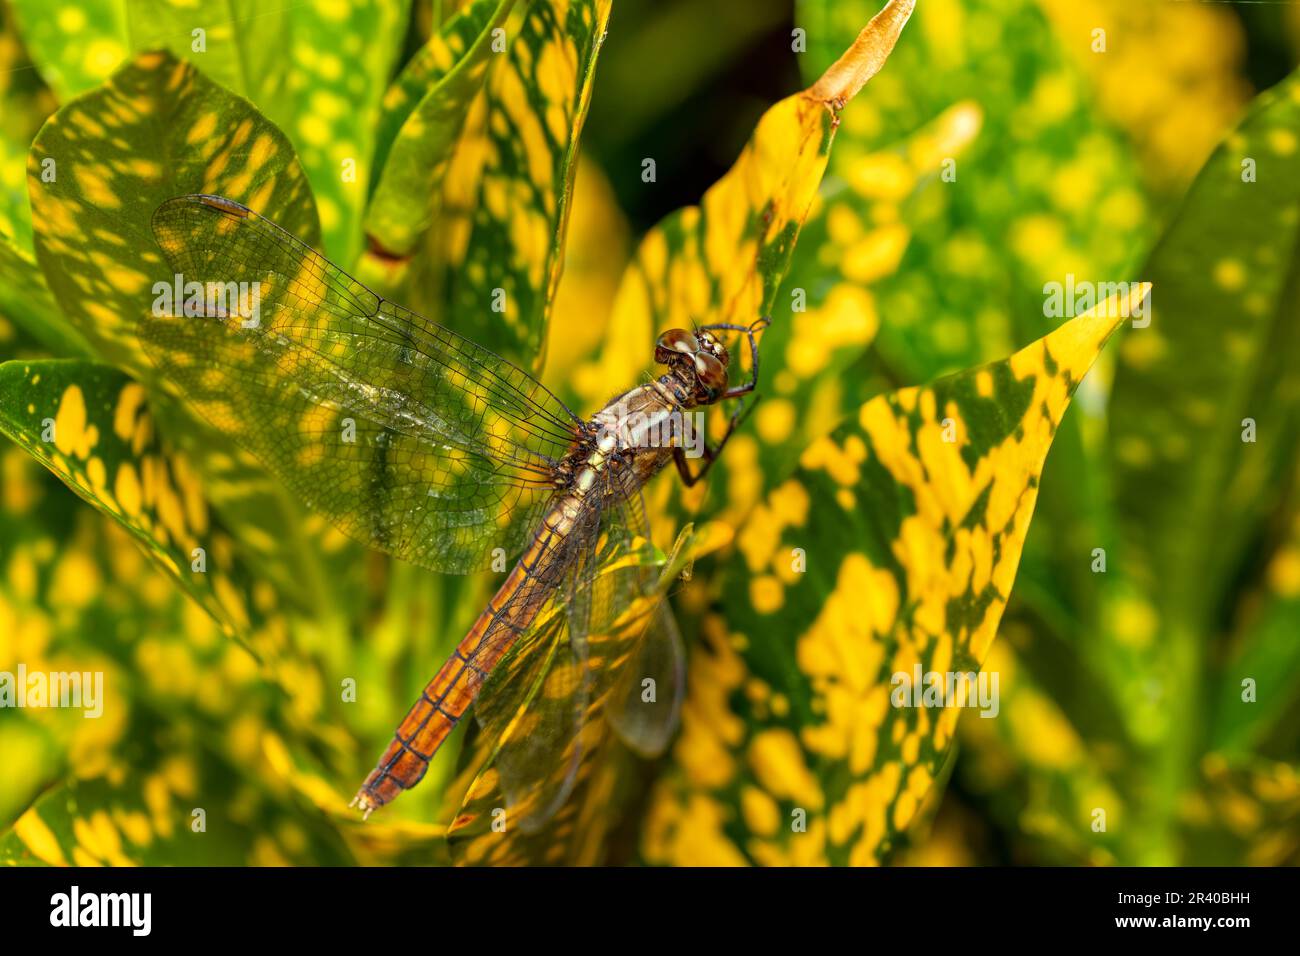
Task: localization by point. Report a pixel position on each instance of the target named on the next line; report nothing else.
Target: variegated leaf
(287, 60)
(423, 115)
(491, 267)
(90, 425)
(892, 549)
(724, 260)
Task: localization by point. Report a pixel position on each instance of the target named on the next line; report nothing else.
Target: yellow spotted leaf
(424, 113)
(607, 778)
(491, 268)
(286, 58)
(91, 426)
(814, 727)
(111, 163)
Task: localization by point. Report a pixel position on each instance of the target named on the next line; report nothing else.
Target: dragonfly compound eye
(711, 374)
(673, 344)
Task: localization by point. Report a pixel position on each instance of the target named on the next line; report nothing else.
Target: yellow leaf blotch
(778, 763)
(126, 488)
(39, 838)
(709, 727)
(72, 434)
(129, 402)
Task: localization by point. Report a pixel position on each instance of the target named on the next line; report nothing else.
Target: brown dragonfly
(418, 442)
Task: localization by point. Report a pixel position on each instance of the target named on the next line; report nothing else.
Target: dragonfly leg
(711, 453)
(751, 332)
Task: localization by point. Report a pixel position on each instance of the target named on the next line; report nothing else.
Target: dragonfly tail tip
(362, 802)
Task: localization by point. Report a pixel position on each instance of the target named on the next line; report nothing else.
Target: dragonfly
(414, 440)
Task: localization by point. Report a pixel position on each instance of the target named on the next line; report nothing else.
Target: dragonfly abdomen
(449, 694)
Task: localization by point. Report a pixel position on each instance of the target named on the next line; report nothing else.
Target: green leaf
(90, 425)
(894, 546)
(116, 161)
(1222, 348)
(491, 268)
(24, 102)
(424, 113)
(282, 59)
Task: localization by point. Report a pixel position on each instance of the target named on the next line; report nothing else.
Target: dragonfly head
(698, 360)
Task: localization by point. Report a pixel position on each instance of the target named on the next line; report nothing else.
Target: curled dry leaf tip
(864, 58)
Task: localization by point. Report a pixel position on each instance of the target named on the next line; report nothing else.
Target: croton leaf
(280, 58)
(608, 779)
(90, 425)
(25, 102)
(1204, 421)
(423, 115)
(74, 48)
(1206, 405)
(170, 780)
(491, 268)
(112, 162)
(1045, 189)
(26, 302)
(891, 550)
(1043, 775)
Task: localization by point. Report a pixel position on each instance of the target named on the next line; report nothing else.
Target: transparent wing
(634, 649)
(533, 707)
(608, 640)
(404, 434)
(642, 687)
(606, 632)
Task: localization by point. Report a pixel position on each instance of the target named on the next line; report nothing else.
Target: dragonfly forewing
(406, 435)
